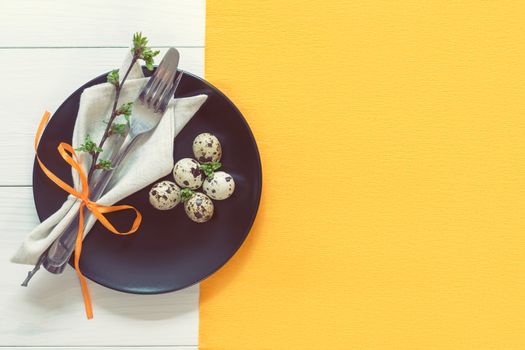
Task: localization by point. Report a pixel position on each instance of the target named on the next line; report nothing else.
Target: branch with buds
(140, 51)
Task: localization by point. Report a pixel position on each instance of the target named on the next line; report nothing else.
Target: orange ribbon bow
(68, 154)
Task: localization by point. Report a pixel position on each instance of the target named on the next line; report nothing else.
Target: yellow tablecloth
(392, 136)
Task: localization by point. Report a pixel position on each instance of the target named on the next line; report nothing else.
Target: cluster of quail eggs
(190, 175)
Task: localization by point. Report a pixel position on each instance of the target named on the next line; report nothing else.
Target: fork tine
(149, 85)
(167, 83)
(163, 73)
(164, 101)
(156, 105)
(157, 82)
(156, 92)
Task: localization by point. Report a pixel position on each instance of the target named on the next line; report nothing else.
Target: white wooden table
(47, 50)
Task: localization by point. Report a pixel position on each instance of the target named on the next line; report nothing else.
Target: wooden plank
(50, 311)
(98, 23)
(39, 79)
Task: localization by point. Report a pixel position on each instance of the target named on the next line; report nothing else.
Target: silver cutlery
(154, 99)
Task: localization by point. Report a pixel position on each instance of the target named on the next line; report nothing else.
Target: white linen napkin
(150, 159)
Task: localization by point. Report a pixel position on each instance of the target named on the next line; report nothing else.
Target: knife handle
(62, 248)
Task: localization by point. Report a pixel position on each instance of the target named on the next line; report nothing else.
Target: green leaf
(186, 194)
(142, 51)
(104, 164)
(113, 77)
(139, 42)
(89, 146)
(118, 129)
(210, 168)
(125, 109)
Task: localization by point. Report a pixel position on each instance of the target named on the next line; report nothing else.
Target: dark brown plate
(169, 251)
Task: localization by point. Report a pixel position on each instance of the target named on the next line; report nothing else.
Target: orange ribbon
(68, 154)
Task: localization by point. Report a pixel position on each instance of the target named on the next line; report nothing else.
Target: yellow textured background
(392, 139)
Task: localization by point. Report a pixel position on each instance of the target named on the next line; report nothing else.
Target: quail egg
(207, 148)
(187, 173)
(164, 195)
(219, 186)
(199, 207)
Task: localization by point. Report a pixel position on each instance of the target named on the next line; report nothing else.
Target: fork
(154, 98)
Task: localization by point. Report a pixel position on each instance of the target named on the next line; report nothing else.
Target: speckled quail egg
(219, 186)
(199, 207)
(164, 195)
(187, 173)
(207, 148)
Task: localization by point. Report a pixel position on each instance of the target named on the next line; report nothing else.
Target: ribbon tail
(68, 154)
(78, 251)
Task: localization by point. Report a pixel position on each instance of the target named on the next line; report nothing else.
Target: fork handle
(62, 248)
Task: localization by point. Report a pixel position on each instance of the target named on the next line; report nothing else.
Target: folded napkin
(150, 159)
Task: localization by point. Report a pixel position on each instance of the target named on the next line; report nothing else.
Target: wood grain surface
(43, 70)
(100, 23)
(49, 49)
